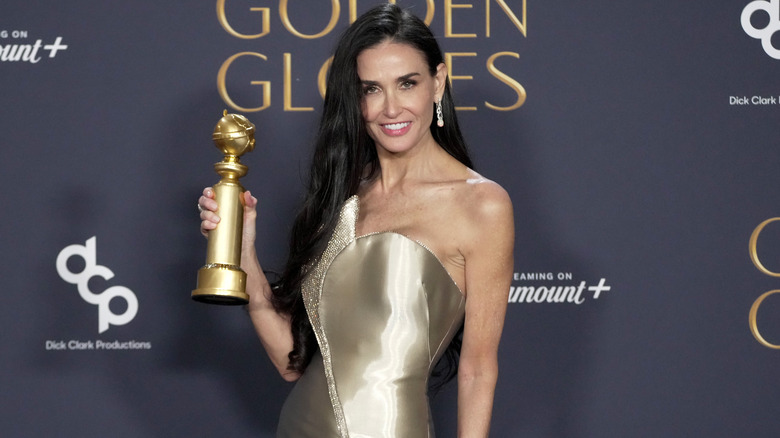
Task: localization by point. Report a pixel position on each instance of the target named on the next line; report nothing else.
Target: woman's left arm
(488, 252)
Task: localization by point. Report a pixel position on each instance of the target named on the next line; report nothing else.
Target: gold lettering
(429, 10)
(266, 85)
(322, 77)
(266, 20)
(334, 17)
(521, 25)
(448, 7)
(353, 10)
(287, 65)
(503, 77)
(754, 324)
(752, 247)
(448, 60)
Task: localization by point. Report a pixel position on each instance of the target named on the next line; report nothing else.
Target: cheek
(367, 118)
(426, 108)
(369, 109)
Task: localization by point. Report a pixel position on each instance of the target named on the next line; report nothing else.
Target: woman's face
(398, 95)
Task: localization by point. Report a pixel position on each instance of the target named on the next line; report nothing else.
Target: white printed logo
(26, 52)
(91, 269)
(772, 8)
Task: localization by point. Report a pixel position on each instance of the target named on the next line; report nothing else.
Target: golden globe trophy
(221, 280)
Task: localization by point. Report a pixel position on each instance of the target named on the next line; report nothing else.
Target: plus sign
(597, 290)
(53, 48)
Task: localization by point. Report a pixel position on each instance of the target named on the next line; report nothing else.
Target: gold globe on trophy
(221, 280)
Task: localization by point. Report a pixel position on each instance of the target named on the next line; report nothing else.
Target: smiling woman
(398, 95)
(400, 256)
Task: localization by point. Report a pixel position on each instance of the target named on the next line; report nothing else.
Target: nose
(392, 106)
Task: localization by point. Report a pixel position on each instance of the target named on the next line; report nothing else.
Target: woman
(397, 244)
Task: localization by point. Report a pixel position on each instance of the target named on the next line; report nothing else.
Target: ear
(440, 80)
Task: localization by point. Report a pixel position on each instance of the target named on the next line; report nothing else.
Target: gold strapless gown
(384, 310)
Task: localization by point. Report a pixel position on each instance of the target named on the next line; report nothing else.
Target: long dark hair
(344, 155)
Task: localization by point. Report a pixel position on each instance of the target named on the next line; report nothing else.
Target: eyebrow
(400, 79)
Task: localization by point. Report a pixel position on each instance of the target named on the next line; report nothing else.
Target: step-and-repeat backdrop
(639, 142)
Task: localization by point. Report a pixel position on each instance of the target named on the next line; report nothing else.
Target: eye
(407, 84)
(370, 89)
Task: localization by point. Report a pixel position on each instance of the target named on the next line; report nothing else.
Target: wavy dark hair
(344, 155)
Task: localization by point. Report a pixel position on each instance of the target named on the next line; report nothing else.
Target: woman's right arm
(272, 327)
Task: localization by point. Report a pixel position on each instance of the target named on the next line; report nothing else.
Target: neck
(420, 163)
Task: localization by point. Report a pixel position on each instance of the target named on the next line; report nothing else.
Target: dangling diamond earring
(439, 117)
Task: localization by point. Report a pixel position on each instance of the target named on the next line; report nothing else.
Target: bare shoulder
(486, 215)
(486, 200)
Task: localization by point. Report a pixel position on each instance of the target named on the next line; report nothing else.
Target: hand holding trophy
(221, 280)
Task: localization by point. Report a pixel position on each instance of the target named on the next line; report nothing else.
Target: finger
(207, 204)
(209, 221)
(208, 225)
(209, 216)
(249, 200)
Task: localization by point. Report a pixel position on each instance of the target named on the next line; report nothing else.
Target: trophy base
(221, 284)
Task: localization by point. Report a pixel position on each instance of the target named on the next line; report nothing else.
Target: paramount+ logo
(88, 252)
(757, 8)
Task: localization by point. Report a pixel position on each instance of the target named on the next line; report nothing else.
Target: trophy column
(221, 280)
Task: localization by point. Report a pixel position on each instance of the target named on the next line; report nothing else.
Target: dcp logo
(81, 279)
(772, 8)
